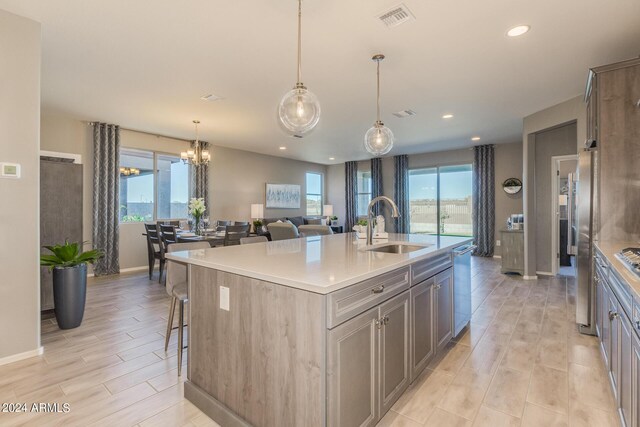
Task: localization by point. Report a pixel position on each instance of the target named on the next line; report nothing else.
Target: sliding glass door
(440, 200)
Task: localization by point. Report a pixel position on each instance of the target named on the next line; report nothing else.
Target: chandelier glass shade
(299, 109)
(379, 139)
(198, 155)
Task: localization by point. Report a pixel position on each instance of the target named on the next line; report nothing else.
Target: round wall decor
(512, 186)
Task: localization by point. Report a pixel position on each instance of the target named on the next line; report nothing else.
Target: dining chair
(315, 230)
(234, 233)
(222, 225)
(154, 240)
(282, 231)
(169, 234)
(253, 239)
(177, 286)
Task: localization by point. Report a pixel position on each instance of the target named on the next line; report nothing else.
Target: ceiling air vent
(404, 113)
(211, 98)
(396, 16)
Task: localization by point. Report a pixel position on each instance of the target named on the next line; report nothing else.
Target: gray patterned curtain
(376, 183)
(401, 192)
(350, 191)
(484, 206)
(106, 196)
(200, 179)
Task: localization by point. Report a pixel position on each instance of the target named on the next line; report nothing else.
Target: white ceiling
(144, 64)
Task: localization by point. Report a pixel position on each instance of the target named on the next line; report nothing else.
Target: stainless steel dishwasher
(461, 287)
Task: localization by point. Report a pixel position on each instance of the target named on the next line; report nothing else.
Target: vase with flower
(196, 210)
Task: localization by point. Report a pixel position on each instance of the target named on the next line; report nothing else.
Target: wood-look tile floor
(521, 363)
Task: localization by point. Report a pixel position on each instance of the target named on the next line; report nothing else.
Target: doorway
(564, 228)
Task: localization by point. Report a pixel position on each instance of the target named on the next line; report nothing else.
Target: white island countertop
(320, 264)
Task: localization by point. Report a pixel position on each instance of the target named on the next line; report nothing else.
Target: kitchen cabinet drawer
(428, 268)
(346, 303)
(622, 292)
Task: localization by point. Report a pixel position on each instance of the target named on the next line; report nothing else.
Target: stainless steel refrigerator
(586, 203)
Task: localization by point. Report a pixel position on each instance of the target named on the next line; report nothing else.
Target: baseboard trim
(544, 273)
(530, 277)
(214, 409)
(131, 269)
(126, 270)
(21, 356)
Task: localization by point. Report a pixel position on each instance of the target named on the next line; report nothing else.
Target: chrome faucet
(394, 214)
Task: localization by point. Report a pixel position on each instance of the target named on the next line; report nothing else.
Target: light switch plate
(224, 298)
(497, 242)
(9, 170)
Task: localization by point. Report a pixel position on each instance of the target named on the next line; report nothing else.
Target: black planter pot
(69, 295)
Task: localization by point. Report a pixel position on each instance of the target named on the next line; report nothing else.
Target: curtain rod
(146, 133)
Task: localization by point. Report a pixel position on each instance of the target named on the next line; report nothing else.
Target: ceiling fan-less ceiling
(299, 109)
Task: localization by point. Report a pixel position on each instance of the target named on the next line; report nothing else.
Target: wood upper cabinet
(444, 311)
(422, 342)
(352, 371)
(394, 350)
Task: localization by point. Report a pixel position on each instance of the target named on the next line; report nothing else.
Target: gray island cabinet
(314, 332)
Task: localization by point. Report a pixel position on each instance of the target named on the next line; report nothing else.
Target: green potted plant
(258, 226)
(334, 220)
(69, 265)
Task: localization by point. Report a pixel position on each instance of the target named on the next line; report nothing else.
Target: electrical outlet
(497, 242)
(224, 298)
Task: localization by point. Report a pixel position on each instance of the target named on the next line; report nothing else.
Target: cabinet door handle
(379, 323)
(637, 322)
(378, 290)
(385, 320)
(612, 315)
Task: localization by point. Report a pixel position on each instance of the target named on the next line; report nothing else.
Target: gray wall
(508, 159)
(508, 165)
(559, 141)
(572, 110)
(19, 215)
(237, 178)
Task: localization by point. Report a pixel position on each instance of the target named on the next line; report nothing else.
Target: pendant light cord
(299, 41)
(378, 89)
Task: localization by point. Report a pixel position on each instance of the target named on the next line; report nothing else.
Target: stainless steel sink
(397, 248)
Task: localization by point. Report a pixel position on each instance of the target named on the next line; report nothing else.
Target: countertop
(320, 264)
(609, 249)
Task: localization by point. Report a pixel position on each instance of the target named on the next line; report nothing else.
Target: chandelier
(198, 155)
(299, 109)
(129, 171)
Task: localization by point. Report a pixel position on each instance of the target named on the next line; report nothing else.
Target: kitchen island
(315, 331)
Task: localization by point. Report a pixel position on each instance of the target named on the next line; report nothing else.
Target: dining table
(213, 237)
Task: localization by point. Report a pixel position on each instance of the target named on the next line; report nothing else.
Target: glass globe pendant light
(299, 109)
(379, 139)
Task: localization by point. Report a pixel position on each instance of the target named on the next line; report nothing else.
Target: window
(440, 200)
(173, 187)
(314, 193)
(363, 196)
(145, 195)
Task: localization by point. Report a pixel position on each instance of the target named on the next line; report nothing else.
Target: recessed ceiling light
(283, 148)
(518, 30)
(447, 116)
(332, 158)
(475, 138)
